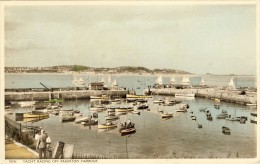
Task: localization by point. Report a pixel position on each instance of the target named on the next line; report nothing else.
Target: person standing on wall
(41, 144)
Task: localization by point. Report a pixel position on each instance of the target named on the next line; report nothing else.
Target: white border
(64, 3)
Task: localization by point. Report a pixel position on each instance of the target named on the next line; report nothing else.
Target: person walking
(41, 144)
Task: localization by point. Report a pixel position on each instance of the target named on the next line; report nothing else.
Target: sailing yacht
(231, 84)
(202, 82)
(78, 82)
(185, 82)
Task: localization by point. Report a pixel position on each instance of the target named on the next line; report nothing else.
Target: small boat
(202, 109)
(83, 119)
(67, 118)
(35, 114)
(158, 101)
(184, 95)
(143, 106)
(99, 97)
(216, 106)
(193, 117)
(226, 130)
(111, 117)
(115, 101)
(40, 107)
(166, 115)
(124, 109)
(127, 131)
(253, 114)
(97, 108)
(95, 115)
(89, 122)
(107, 125)
(137, 96)
(111, 109)
(34, 119)
(233, 119)
(136, 112)
(251, 104)
(253, 121)
(199, 126)
(222, 115)
(55, 113)
(209, 117)
(182, 110)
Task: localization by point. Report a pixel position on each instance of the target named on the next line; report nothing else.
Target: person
(41, 144)
(48, 146)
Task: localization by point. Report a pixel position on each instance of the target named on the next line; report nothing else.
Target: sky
(218, 39)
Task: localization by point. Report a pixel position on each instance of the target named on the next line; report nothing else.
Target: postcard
(129, 81)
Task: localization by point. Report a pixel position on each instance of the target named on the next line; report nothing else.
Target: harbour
(181, 129)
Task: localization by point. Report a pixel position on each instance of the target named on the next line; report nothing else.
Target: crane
(50, 89)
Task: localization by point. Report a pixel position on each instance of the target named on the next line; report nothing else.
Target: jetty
(233, 96)
(36, 95)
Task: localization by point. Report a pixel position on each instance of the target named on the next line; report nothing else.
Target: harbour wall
(66, 95)
(232, 96)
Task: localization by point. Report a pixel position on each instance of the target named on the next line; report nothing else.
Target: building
(96, 86)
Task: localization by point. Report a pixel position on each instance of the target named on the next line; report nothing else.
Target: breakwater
(66, 95)
(233, 96)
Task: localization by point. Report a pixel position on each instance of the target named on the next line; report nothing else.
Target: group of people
(128, 125)
(43, 142)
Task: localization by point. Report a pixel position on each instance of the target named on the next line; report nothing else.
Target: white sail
(114, 83)
(202, 82)
(172, 81)
(78, 82)
(159, 80)
(231, 84)
(109, 80)
(102, 80)
(185, 80)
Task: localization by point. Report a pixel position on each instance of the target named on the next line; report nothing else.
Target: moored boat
(226, 130)
(82, 119)
(67, 118)
(35, 114)
(107, 125)
(166, 115)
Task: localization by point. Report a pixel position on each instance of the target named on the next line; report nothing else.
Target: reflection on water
(155, 135)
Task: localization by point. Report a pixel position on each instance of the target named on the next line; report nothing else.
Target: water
(154, 136)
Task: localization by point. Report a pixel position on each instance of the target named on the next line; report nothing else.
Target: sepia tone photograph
(129, 80)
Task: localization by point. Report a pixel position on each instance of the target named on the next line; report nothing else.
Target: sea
(177, 137)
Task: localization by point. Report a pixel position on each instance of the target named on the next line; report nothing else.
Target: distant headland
(82, 69)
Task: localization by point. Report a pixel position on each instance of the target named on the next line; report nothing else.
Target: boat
(107, 125)
(26, 103)
(193, 117)
(137, 96)
(166, 115)
(158, 101)
(40, 107)
(112, 117)
(231, 85)
(99, 97)
(222, 115)
(172, 81)
(89, 122)
(115, 101)
(28, 119)
(136, 112)
(233, 119)
(199, 126)
(35, 114)
(82, 119)
(253, 121)
(124, 109)
(251, 104)
(97, 108)
(127, 131)
(111, 109)
(253, 114)
(203, 109)
(226, 130)
(143, 106)
(67, 118)
(202, 82)
(78, 82)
